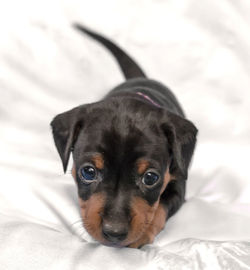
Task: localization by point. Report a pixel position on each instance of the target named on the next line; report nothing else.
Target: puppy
(131, 154)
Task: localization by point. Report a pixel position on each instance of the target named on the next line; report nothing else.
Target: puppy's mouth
(116, 245)
(114, 238)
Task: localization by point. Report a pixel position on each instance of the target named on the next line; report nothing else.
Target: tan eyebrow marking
(73, 171)
(167, 178)
(142, 166)
(98, 161)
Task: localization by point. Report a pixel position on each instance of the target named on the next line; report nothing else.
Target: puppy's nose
(114, 232)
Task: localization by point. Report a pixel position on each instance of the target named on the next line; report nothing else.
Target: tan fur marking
(153, 229)
(73, 171)
(142, 215)
(167, 178)
(98, 161)
(142, 166)
(91, 211)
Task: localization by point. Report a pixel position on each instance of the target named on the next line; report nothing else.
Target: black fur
(140, 118)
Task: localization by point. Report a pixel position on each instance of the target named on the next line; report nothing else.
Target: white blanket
(200, 49)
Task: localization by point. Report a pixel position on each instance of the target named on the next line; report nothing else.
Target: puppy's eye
(88, 173)
(150, 178)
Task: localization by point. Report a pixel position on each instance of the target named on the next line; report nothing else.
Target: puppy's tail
(128, 66)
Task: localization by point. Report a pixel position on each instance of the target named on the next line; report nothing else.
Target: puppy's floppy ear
(65, 129)
(181, 136)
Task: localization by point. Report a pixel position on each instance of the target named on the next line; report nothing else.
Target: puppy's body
(131, 153)
(151, 91)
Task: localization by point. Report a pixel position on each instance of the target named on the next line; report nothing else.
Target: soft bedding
(200, 49)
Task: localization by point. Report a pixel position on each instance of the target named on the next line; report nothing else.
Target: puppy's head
(124, 153)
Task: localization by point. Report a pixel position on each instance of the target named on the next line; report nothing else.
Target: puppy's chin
(122, 244)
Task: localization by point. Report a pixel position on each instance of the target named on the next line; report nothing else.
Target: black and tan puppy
(131, 153)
